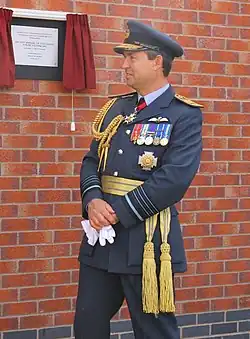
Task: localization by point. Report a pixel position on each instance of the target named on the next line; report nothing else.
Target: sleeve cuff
(94, 193)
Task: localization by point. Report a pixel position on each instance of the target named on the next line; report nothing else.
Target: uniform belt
(117, 185)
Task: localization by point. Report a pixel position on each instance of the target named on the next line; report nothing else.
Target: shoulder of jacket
(123, 96)
(187, 101)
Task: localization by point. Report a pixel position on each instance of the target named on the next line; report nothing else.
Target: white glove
(107, 233)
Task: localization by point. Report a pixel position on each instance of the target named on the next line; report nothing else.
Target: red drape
(78, 67)
(7, 61)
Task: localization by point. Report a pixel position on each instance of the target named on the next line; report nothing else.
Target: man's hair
(167, 61)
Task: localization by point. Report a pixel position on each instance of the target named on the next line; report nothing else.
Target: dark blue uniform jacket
(164, 185)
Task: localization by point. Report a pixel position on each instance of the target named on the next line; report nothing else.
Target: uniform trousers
(100, 296)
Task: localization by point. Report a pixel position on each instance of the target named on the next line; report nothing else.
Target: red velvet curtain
(78, 67)
(7, 61)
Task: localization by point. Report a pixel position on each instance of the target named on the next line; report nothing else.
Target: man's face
(139, 70)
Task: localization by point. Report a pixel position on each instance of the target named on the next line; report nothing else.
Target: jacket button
(120, 151)
(115, 173)
(128, 131)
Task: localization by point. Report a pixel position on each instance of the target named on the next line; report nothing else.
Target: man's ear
(158, 62)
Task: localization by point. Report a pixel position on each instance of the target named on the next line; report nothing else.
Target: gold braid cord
(105, 137)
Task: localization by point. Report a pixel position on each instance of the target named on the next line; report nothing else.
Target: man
(145, 153)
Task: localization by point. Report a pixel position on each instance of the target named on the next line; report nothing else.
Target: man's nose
(125, 64)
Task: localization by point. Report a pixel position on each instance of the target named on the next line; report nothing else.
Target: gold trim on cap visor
(129, 46)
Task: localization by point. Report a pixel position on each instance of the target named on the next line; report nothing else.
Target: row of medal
(151, 134)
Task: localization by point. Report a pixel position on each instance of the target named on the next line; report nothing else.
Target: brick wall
(40, 161)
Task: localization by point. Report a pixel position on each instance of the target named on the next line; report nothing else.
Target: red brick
(244, 302)
(18, 224)
(209, 217)
(53, 278)
(238, 265)
(244, 277)
(68, 209)
(239, 167)
(62, 264)
(38, 155)
(56, 142)
(49, 251)
(244, 82)
(81, 128)
(223, 254)
(37, 128)
(18, 196)
(194, 54)
(239, 144)
(79, 101)
(212, 18)
(52, 306)
(15, 169)
(224, 278)
(209, 292)
(227, 155)
(220, 229)
(227, 106)
(185, 294)
(76, 196)
(225, 56)
(208, 242)
(237, 216)
(39, 100)
(89, 115)
(66, 291)
(8, 295)
(35, 237)
(215, 93)
(64, 318)
(196, 280)
(238, 20)
(68, 236)
(8, 324)
(239, 94)
(206, 192)
(51, 87)
(9, 99)
(199, 230)
(70, 155)
(9, 183)
(39, 320)
(9, 127)
(34, 210)
(245, 179)
(169, 3)
(169, 27)
(193, 205)
(19, 141)
(245, 33)
(195, 306)
(226, 179)
(184, 66)
(53, 223)
(214, 143)
(55, 114)
(18, 280)
(106, 22)
(225, 7)
(8, 239)
(183, 16)
(211, 43)
(226, 32)
(234, 69)
(91, 8)
(197, 79)
(221, 81)
(53, 195)
(83, 142)
(197, 5)
(151, 13)
(245, 8)
(20, 114)
(38, 182)
(223, 304)
(9, 155)
(198, 30)
(222, 204)
(35, 266)
(56, 169)
(124, 11)
(8, 267)
(210, 267)
(19, 308)
(17, 252)
(36, 293)
(244, 203)
(102, 49)
(8, 211)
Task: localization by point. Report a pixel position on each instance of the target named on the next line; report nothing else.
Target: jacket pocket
(86, 249)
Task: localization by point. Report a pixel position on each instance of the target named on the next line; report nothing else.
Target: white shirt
(149, 98)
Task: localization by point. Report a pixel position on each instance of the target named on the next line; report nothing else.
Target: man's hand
(101, 214)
